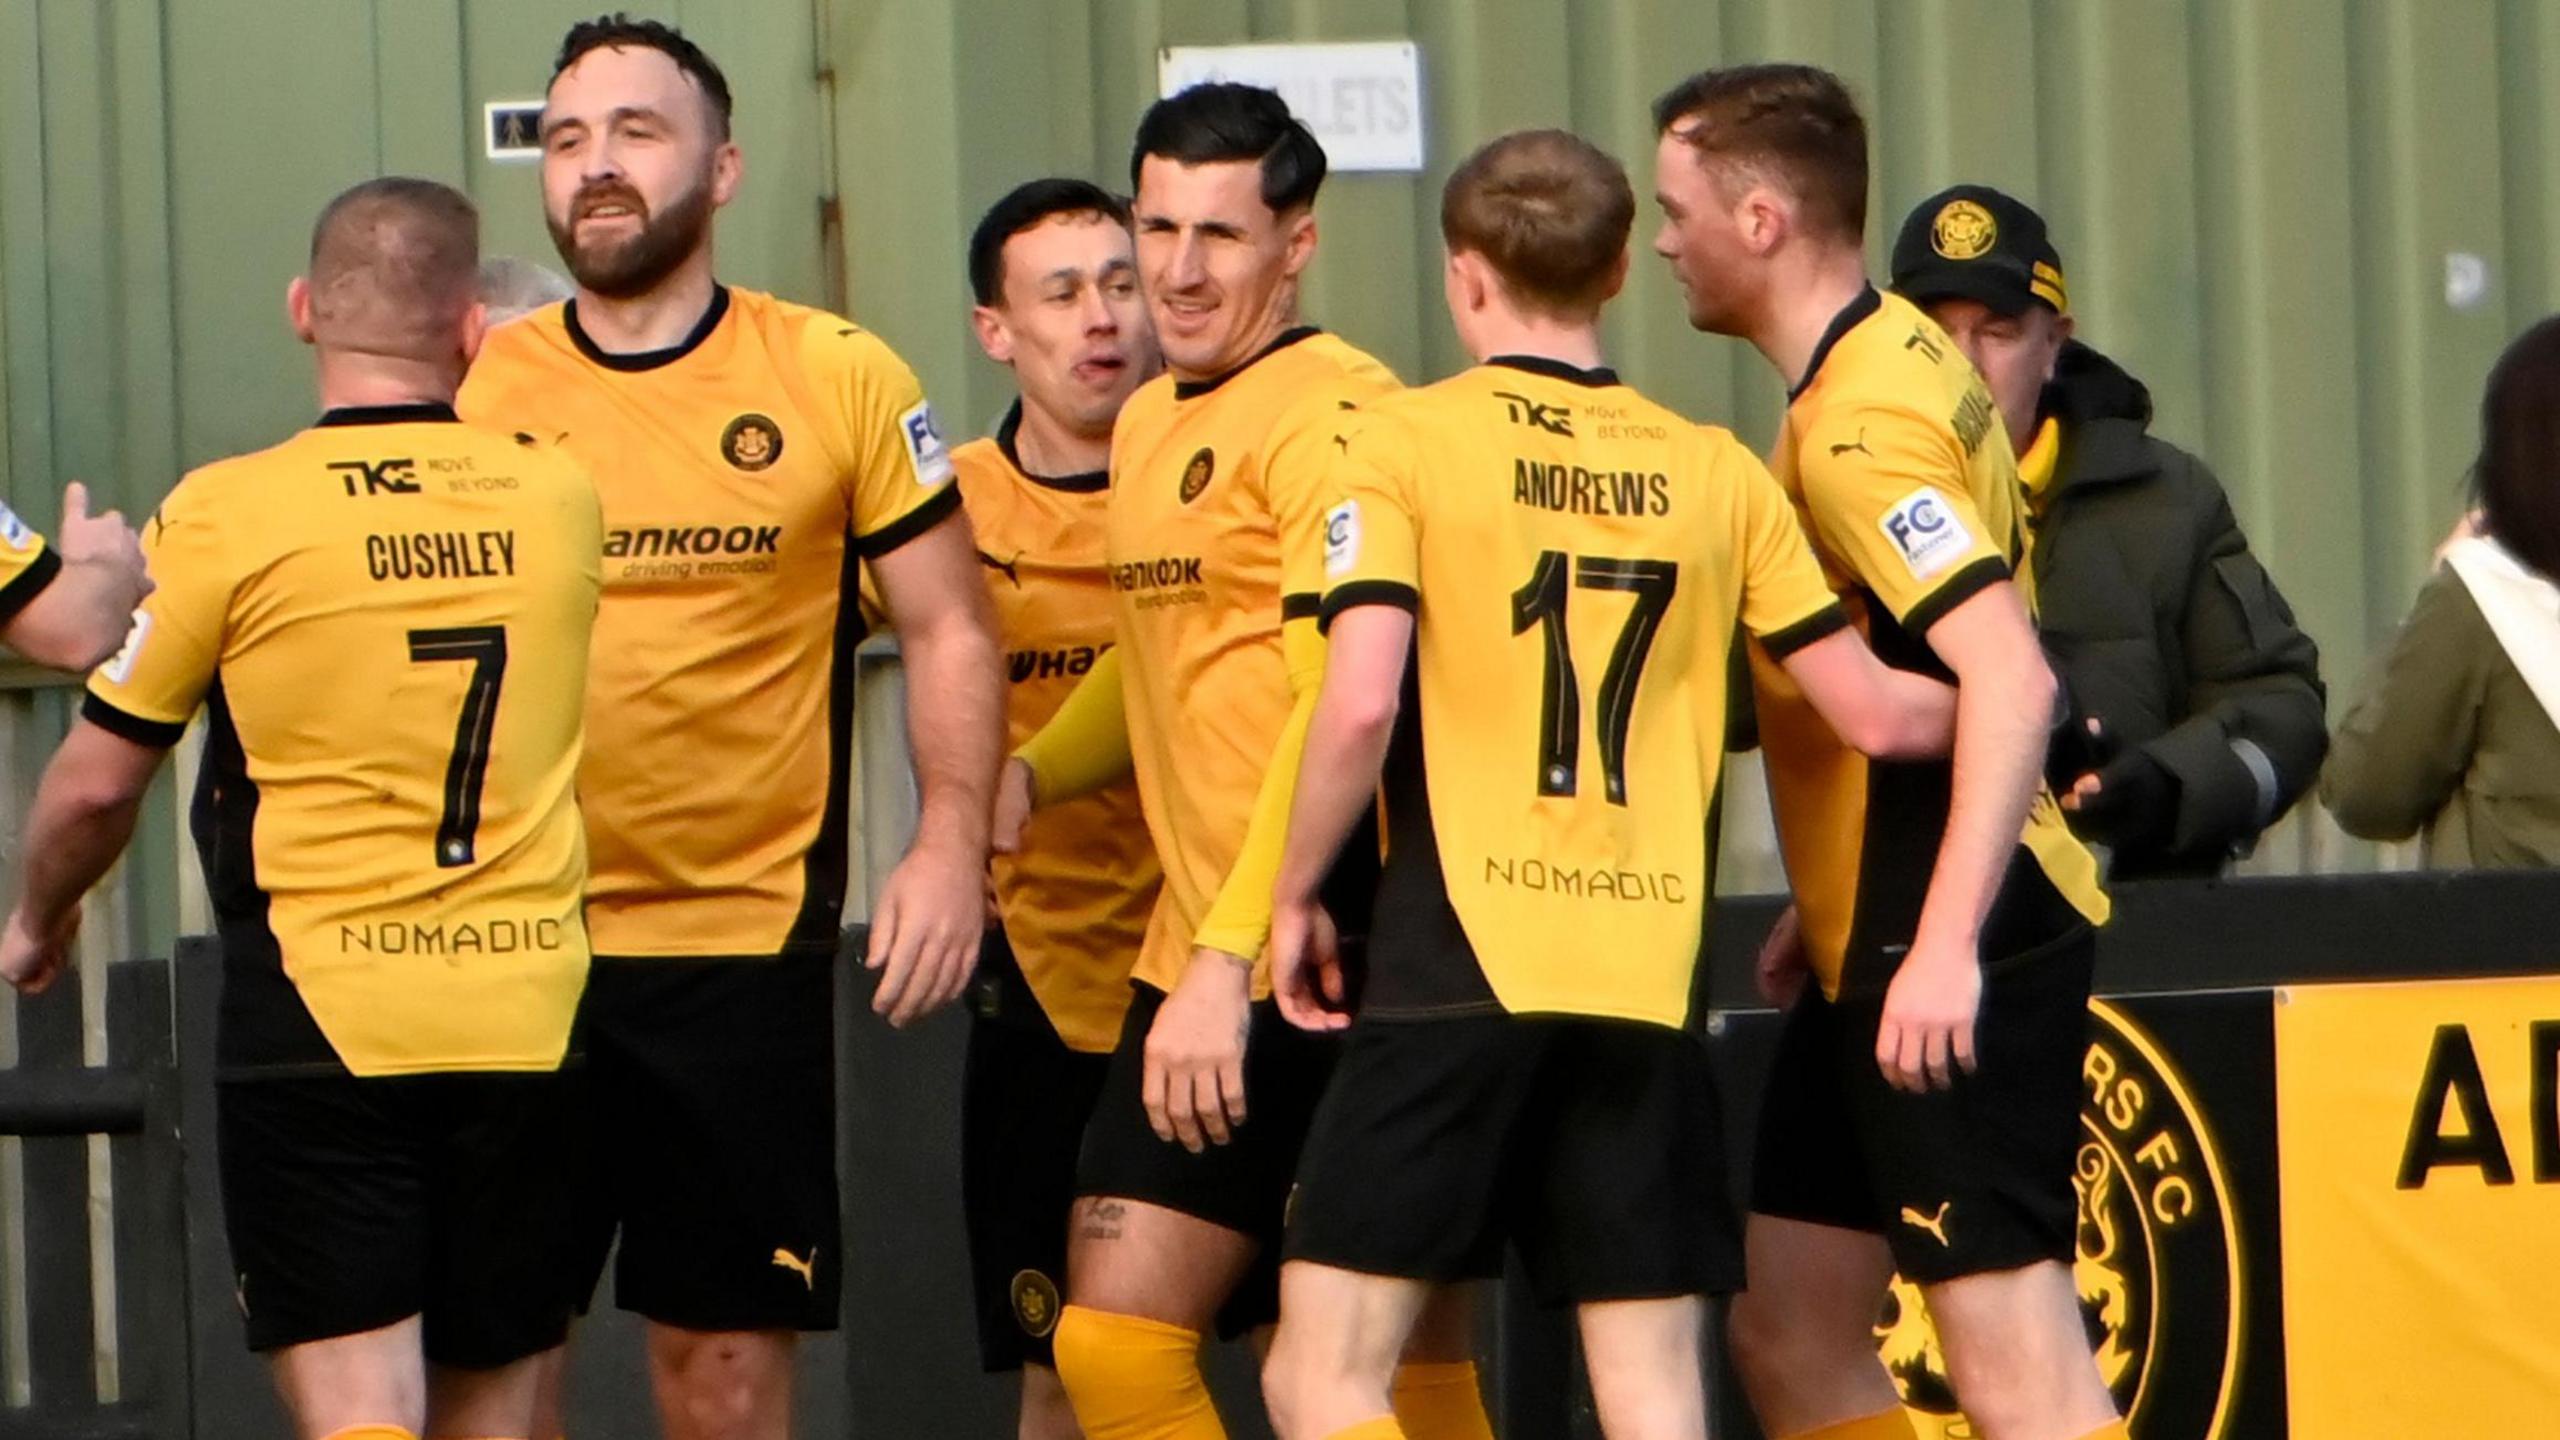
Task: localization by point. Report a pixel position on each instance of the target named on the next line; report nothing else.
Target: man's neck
(1577, 345)
(1282, 319)
(1049, 449)
(353, 381)
(657, 320)
(1801, 307)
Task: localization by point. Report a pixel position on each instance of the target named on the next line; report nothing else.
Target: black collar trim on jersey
(423, 411)
(1084, 484)
(1194, 389)
(648, 359)
(1867, 303)
(1596, 377)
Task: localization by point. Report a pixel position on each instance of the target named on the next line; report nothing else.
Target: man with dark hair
(751, 455)
(399, 891)
(2198, 712)
(1058, 304)
(1925, 1105)
(1213, 533)
(1521, 1074)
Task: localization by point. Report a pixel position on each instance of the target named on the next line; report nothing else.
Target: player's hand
(925, 932)
(1306, 966)
(104, 541)
(1015, 800)
(29, 960)
(1783, 968)
(1929, 1014)
(1194, 1087)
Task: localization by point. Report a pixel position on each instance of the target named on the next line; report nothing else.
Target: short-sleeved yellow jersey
(1215, 532)
(744, 472)
(1576, 558)
(386, 619)
(27, 564)
(1075, 898)
(1894, 454)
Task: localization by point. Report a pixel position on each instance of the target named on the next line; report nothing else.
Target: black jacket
(2164, 627)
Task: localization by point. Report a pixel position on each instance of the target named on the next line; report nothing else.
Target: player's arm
(1346, 747)
(908, 526)
(81, 820)
(1083, 748)
(137, 707)
(1896, 509)
(1372, 570)
(1194, 1083)
(1880, 711)
(80, 594)
(1787, 603)
(926, 928)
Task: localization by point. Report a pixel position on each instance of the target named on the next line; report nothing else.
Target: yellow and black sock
(1891, 1424)
(1440, 1401)
(1130, 1378)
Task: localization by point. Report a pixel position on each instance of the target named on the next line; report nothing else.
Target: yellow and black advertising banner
(2176, 1257)
(2419, 1145)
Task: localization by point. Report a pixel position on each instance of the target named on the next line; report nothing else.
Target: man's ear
(297, 308)
(994, 336)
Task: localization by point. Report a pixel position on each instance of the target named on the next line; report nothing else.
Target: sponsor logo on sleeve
(1926, 533)
(1341, 539)
(925, 450)
(14, 532)
(119, 669)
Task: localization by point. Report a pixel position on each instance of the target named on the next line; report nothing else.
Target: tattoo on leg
(1102, 1221)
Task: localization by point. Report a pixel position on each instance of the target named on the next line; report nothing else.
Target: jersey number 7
(1541, 603)
(485, 646)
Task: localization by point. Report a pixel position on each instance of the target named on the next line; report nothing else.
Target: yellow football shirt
(386, 619)
(1214, 535)
(1076, 897)
(1894, 455)
(1576, 558)
(27, 564)
(744, 472)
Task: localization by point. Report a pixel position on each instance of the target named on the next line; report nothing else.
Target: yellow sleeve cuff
(1085, 746)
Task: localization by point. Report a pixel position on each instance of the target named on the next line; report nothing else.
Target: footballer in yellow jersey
(68, 605)
(1924, 1108)
(751, 455)
(1057, 291)
(1214, 540)
(1534, 575)
(385, 622)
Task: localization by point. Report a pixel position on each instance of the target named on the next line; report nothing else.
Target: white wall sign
(512, 129)
(1363, 101)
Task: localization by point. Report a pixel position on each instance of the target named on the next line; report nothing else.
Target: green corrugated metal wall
(2256, 199)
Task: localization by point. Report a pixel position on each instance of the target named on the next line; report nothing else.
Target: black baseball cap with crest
(1972, 242)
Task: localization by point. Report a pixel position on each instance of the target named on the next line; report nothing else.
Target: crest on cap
(1963, 231)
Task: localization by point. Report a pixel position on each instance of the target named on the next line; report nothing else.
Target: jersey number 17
(1541, 604)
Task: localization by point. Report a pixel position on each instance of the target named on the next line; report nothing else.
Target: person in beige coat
(2456, 732)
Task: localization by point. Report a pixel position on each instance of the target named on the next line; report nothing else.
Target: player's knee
(718, 1385)
(1772, 1344)
(1128, 1377)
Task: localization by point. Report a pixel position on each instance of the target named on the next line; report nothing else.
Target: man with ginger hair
(1925, 1106)
(1533, 576)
